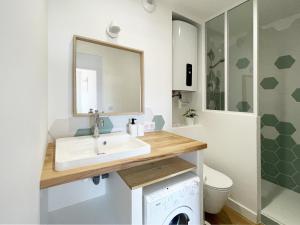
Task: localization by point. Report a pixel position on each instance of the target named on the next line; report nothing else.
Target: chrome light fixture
(113, 30)
(149, 5)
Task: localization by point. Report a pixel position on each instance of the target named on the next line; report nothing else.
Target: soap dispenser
(132, 128)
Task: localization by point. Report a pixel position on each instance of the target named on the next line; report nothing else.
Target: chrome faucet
(98, 123)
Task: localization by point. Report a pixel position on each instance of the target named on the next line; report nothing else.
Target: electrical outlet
(149, 126)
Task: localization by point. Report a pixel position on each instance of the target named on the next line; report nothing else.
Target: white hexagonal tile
(148, 114)
(269, 132)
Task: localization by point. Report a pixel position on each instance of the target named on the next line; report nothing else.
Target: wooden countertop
(151, 173)
(163, 145)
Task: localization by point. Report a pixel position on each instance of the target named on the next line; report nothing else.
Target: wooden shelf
(164, 145)
(141, 176)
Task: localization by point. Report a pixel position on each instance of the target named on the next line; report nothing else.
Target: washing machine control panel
(174, 195)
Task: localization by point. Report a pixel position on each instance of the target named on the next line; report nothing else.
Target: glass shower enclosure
(279, 108)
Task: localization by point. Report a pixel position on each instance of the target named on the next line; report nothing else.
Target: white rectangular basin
(74, 152)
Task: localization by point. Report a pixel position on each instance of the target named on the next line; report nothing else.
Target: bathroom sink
(74, 152)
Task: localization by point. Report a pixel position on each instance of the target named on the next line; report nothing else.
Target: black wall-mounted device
(189, 75)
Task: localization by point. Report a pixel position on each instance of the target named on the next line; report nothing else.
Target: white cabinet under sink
(115, 203)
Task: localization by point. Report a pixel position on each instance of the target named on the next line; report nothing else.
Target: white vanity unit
(162, 191)
(70, 196)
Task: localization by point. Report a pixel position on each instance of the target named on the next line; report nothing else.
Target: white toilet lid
(216, 179)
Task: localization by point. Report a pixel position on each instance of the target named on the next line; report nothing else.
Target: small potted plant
(189, 116)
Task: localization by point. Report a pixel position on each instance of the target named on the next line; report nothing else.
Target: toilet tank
(184, 56)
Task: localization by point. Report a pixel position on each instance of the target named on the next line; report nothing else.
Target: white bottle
(140, 129)
(132, 128)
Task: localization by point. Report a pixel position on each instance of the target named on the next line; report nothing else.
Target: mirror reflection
(108, 78)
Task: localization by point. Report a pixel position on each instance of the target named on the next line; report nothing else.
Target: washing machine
(174, 201)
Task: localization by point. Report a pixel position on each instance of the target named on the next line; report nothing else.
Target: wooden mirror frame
(94, 41)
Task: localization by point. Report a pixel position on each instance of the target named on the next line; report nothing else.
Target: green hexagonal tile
(296, 178)
(106, 128)
(270, 157)
(269, 144)
(285, 141)
(159, 122)
(269, 120)
(262, 150)
(269, 132)
(297, 189)
(285, 155)
(284, 62)
(83, 132)
(285, 181)
(296, 150)
(243, 106)
(285, 168)
(296, 164)
(269, 83)
(285, 128)
(242, 63)
(270, 169)
(107, 125)
(296, 95)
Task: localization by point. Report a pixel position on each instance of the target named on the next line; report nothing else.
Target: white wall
(23, 114)
(232, 149)
(232, 140)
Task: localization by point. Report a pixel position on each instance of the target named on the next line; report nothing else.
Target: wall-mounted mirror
(107, 78)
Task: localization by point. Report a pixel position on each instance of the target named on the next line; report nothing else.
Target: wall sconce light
(149, 5)
(113, 30)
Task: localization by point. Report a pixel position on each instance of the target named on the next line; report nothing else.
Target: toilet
(217, 187)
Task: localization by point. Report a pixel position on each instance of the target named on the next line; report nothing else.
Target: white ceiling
(203, 9)
(272, 10)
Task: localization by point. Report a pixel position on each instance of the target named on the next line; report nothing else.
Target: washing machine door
(180, 216)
